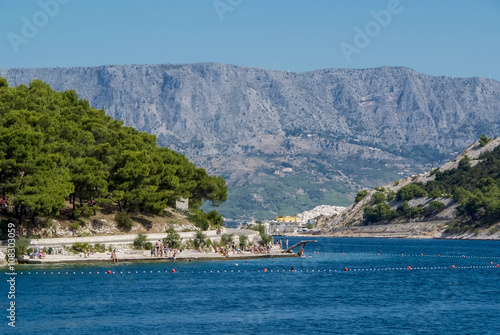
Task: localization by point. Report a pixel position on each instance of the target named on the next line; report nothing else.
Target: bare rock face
(341, 129)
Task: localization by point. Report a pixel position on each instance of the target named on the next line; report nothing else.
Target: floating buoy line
(264, 270)
(491, 265)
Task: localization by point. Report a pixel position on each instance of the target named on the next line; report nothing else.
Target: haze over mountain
(285, 141)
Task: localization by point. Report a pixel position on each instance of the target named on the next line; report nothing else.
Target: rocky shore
(414, 230)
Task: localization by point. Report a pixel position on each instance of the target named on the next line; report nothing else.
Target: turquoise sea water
(378, 295)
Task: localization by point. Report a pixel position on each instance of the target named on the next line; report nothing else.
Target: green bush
(21, 246)
(361, 195)
(140, 241)
(435, 193)
(265, 239)
(378, 213)
(199, 218)
(124, 221)
(411, 191)
(84, 211)
(243, 241)
(173, 239)
(379, 197)
(484, 140)
(79, 247)
(199, 239)
(84, 234)
(74, 225)
(226, 239)
(98, 248)
(436, 206)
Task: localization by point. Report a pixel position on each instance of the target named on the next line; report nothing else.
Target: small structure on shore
(302, 244)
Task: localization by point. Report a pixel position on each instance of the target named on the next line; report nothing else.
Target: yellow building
(283, 218)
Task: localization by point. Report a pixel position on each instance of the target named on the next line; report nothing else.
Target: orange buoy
(173, 270)
(453, 266)
(317, 252)
(345, 269)
(439, 255)
(498, 265)
(265, 270)
(342, 253)
(463, 255)
(409, 267)
(378, 254)
(421, 254)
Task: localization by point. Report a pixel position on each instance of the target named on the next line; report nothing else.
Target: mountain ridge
(338, 129)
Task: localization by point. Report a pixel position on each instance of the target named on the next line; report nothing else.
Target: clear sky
(440, 37)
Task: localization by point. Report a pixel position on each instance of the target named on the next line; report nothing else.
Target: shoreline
(185, 256)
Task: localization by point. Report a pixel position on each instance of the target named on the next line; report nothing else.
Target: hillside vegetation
(464, 193)
(55, 148)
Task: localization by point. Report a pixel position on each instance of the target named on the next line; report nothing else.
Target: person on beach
(158, 248)
(88, 252)
(37, 250)
(152, 252)
(113, 256)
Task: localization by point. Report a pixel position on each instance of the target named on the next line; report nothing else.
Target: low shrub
(124, 221)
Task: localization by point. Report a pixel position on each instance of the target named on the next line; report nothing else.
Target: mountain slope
(287, 142)
(460, 197)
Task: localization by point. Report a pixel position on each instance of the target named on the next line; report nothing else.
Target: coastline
(411, 230)
(141, 256)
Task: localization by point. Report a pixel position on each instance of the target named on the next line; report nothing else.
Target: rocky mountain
(286, 141)
(445, 222)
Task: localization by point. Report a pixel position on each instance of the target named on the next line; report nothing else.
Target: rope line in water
(173, 271)
(406, 255)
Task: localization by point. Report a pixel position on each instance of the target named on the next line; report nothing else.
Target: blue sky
(440, 37)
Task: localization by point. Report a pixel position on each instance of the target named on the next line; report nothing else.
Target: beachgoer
(113, 256)
(88, 251)
(152, 252)
(158, 248)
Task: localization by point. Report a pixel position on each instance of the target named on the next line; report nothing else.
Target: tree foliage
(55, 147)
(484, 140)
(361, 195)
(173, 239)
(410, 191)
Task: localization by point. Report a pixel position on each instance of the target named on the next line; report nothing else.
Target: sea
(341, 286)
